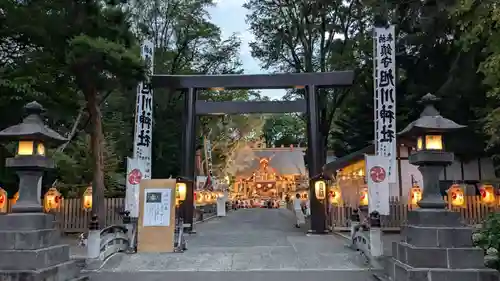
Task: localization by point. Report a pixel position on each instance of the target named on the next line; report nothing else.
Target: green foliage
(74, 54)
(479, 22)
(488, 239)
(303, 36)
(287, 129)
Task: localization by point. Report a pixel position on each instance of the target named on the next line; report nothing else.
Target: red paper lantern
(3, 201)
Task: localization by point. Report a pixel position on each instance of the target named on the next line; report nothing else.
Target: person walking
(297, 207)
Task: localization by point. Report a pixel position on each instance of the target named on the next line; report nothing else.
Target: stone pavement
(248, 244)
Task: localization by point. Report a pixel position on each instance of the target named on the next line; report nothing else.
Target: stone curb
(376, 264)
(205, 219)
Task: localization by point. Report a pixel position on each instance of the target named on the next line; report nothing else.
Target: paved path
(251, 244)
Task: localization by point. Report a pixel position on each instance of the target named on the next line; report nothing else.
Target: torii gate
(194, 107)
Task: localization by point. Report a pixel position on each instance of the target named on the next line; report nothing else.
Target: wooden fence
(474, 212)
(71, 218)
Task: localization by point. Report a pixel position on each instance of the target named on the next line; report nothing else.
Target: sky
(229, 15)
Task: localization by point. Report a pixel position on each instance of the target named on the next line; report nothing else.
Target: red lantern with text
(208, 198)
(456, 196)
(363, 197)
(87, 199)
(52, 200)
(487, 192)
(3, 201)
(415, 195)
(335, 196)
(199, 198)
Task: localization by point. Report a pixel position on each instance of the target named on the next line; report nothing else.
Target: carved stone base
(437, 247)
(31, 251)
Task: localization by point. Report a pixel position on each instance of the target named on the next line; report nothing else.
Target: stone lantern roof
(430, 120)
(32, 127)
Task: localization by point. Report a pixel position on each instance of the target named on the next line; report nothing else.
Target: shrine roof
(284, 161)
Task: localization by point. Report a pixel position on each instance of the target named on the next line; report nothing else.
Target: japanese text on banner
(144, 114)
(385, 96)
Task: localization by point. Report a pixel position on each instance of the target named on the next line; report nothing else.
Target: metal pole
(318, 216)
(189, 154)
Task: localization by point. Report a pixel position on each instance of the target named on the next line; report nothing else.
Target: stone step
(433, 257)
(61, 272)
(258, 275)
(435, 236)
(403, 272)
(434, 217)
(33, 259)
(28, 239)
(26, 221)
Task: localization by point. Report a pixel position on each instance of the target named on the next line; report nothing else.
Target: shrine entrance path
(248, 244)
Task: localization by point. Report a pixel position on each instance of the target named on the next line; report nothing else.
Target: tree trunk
(97, 147)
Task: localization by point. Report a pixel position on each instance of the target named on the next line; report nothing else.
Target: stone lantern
(30, 247)
(435, 244)
(30, 161)
(429, 131)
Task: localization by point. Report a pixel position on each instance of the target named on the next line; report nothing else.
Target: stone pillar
(29, 199)
(94, 239)
(355, 221)
(130, 225)
(376, 243)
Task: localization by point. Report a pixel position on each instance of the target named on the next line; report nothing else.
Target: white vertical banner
(139, 166)
(143, 135)
(134, 177)
(384, 68)
(378, 183)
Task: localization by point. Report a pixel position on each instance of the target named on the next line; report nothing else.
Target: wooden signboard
(156, 225)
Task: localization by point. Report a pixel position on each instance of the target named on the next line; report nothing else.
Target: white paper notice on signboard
(135, 173)
(157, 207)
(378, 183)
(384, 78)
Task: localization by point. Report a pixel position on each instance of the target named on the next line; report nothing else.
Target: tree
(428, 61)
(310, 36)
(229, 133)
(287, 129)
(479, 21)
(92, 50)
(232, 137)
(186, 43)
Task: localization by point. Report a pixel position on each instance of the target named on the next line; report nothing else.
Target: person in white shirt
(297, 207)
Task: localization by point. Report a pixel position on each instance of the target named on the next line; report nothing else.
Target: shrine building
(270, 172)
